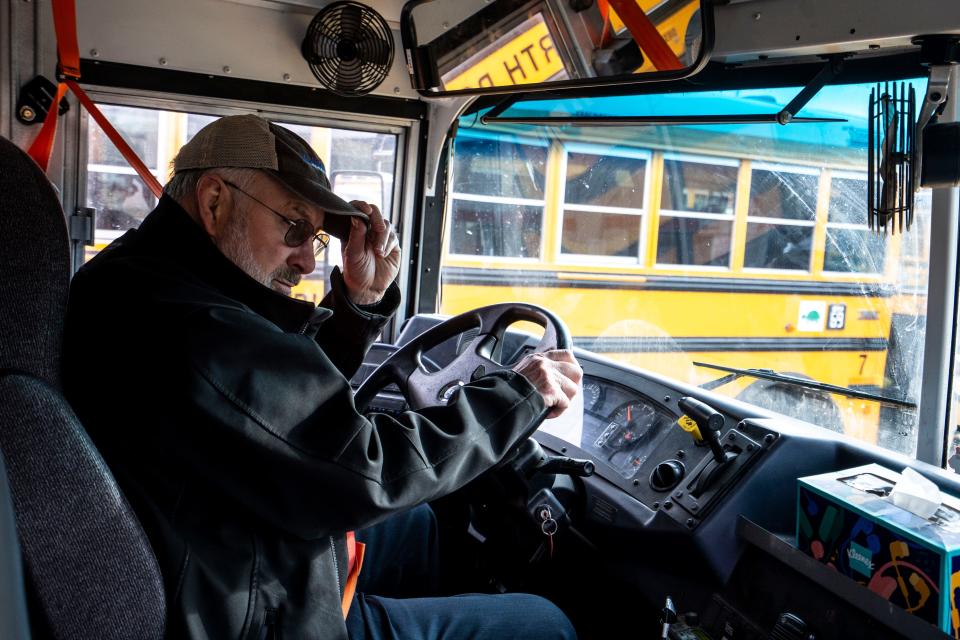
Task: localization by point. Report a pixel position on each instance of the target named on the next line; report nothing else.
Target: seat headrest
(34, 267)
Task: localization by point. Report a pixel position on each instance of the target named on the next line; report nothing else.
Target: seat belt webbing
(645, 34)
(68, 52)
(42, 147)
(129, 154)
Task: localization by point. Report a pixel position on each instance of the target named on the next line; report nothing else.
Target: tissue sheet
(916, 494)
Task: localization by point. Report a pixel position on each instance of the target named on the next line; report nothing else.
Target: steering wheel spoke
(423, 389)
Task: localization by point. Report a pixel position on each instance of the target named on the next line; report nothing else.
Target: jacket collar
(169, 232)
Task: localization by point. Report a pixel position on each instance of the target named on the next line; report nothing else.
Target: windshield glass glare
(739, 245)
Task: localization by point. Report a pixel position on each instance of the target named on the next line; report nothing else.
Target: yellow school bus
(669, 246)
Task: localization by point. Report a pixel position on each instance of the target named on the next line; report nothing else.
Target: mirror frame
(418, 65)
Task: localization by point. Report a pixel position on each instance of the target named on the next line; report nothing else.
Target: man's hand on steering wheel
(555, 374)
(371, 257)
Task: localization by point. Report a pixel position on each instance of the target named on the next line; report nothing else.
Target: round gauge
(630, 424)
(593, 393)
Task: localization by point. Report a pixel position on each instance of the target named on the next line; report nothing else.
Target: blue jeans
(400, 573)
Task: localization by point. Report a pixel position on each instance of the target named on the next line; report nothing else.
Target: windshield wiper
(770, 374)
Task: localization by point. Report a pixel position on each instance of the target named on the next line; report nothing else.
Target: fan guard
(349, 48)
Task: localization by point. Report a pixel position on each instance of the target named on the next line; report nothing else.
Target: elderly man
(222, 405)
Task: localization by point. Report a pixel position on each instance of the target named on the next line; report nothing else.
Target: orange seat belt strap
(68, 52)
(68, 49)
(129, 154)
(42, 147)
(354, 563)
(646, 36)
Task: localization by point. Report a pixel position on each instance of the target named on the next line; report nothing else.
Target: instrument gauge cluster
(620, 426)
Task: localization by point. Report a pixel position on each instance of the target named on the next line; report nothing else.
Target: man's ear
(214, 201)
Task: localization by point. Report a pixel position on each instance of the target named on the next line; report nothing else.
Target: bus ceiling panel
(249, 39)
(787, 28)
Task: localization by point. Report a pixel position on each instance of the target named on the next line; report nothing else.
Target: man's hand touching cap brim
(371, 255)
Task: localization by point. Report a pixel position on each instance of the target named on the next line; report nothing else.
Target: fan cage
(349, 48)
(891, 185)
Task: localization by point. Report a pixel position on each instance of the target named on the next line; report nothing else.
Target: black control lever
(566, 466)
(710, 422)
(531, 459)
(669, 616)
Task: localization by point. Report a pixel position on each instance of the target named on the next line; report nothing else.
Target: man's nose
(303, 259)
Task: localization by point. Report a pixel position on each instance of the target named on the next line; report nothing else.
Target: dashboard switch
(666, 475)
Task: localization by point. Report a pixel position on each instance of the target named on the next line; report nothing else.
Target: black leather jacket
(223, 409)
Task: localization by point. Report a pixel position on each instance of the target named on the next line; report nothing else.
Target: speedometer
(629, 425)
(627, 438)
(593, 393)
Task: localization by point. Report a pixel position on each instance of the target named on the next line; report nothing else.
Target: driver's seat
(89, 568)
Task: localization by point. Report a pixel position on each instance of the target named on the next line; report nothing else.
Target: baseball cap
(250, 142)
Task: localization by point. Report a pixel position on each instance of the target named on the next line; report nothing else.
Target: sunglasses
(298, 232)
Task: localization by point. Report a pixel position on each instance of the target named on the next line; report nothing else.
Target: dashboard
(667, 515)
(629, 429)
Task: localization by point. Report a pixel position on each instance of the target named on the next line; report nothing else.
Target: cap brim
(336, 211)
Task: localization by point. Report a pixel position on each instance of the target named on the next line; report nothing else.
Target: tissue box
(846, 521)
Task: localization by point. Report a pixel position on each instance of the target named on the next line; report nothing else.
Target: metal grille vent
(349, 48)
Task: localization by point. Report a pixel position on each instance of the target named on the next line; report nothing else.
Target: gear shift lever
(709, 420)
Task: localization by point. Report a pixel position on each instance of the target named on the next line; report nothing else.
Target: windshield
(741, 245)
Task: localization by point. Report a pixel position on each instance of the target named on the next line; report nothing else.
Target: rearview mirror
(510, 46)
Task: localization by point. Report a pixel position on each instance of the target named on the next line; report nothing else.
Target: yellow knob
(689, 425)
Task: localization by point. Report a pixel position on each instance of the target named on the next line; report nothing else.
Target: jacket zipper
(270, 629)
(336, 565)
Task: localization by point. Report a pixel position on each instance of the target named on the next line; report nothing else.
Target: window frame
(489, 199)
(643, 213)
(847, 175)
(777, 167)
(406, 130)
(720, 161)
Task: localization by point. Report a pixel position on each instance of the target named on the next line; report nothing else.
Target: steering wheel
(422, 388)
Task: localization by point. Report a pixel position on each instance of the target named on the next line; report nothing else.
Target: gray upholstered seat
(89, 569)
(13, 603)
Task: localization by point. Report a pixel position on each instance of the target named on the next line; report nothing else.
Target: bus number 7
(863, 361)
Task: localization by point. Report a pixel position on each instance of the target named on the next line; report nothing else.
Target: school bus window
(197, 121)
(781, 216)
(851, 246)
(605, 180)
(496, 229)
(604, 202)
(120, 197)
(694, 241)
(697, 206)
(113, 188)
(498, 167)
(141, 128)
(601, 234)
(498, 198)
(848, 198)
(854, 250)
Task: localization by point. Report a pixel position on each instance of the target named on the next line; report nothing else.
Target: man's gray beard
(236, 247)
